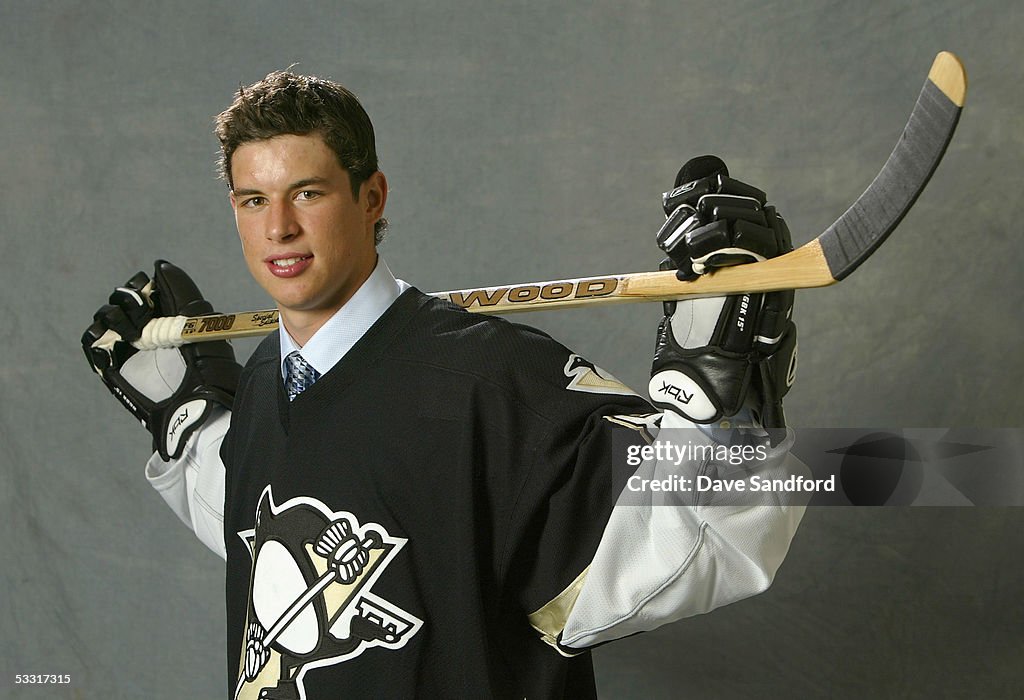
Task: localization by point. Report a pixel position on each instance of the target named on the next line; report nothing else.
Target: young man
(414, 501)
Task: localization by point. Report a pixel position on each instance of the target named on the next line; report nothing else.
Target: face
(307, 241)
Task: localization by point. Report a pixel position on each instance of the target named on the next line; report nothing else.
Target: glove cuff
(705, 389)
(676, 390)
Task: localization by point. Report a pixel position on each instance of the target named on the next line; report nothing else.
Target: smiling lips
(289, 264)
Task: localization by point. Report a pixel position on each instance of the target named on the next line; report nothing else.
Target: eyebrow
(294, 186)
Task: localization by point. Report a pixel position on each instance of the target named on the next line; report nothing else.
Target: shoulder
(265, 358)
(450, 335)
(515, 357)
(268, 351)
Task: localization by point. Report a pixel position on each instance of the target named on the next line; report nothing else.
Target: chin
(298, 304)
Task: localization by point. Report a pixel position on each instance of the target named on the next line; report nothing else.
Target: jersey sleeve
(570, 521)
(193, 484)
(661, 560)
(594, 562)
(568, 491)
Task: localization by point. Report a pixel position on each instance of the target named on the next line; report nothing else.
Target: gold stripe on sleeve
(549, 620)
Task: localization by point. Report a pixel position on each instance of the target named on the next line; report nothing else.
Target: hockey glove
(172, 390)
(717, 355)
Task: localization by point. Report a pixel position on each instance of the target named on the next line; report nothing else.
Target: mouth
(289, 264)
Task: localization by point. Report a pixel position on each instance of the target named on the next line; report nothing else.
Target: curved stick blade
(856, 234)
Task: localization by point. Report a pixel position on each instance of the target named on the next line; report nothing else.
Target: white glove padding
(171, 391)
(713, 354)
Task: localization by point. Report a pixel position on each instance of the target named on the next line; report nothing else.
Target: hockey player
(414, 501)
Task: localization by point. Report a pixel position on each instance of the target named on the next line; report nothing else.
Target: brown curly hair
(288, 103)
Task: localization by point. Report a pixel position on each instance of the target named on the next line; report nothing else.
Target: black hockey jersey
(390, 532)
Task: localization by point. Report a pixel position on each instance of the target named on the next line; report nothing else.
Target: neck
(301, 326)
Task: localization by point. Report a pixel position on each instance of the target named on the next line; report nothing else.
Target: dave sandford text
(676, 454)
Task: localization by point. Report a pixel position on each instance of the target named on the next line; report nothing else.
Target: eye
(308, 195)
(253, 202)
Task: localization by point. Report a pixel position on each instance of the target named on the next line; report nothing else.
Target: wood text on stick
(578, 289)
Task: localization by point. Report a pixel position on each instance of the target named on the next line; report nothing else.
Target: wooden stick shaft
(801, 269)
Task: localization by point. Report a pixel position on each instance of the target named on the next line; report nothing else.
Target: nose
(282, 225)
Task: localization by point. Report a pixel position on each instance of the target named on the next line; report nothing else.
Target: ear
(373, 196)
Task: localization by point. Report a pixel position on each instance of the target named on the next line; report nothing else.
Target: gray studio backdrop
(522, 142)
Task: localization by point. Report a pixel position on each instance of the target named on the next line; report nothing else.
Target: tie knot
(299, 374)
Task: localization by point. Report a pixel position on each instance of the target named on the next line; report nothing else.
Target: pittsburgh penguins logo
(587, 377)
(310, 602)
(646, 424)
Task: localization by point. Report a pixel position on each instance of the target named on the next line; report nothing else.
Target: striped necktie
(299, 375)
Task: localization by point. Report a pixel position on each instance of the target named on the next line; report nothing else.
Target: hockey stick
(827, 259)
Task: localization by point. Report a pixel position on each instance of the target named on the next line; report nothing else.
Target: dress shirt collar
(342, 330)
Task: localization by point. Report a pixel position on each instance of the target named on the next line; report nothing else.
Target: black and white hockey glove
(716, 356)
(170, 390)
